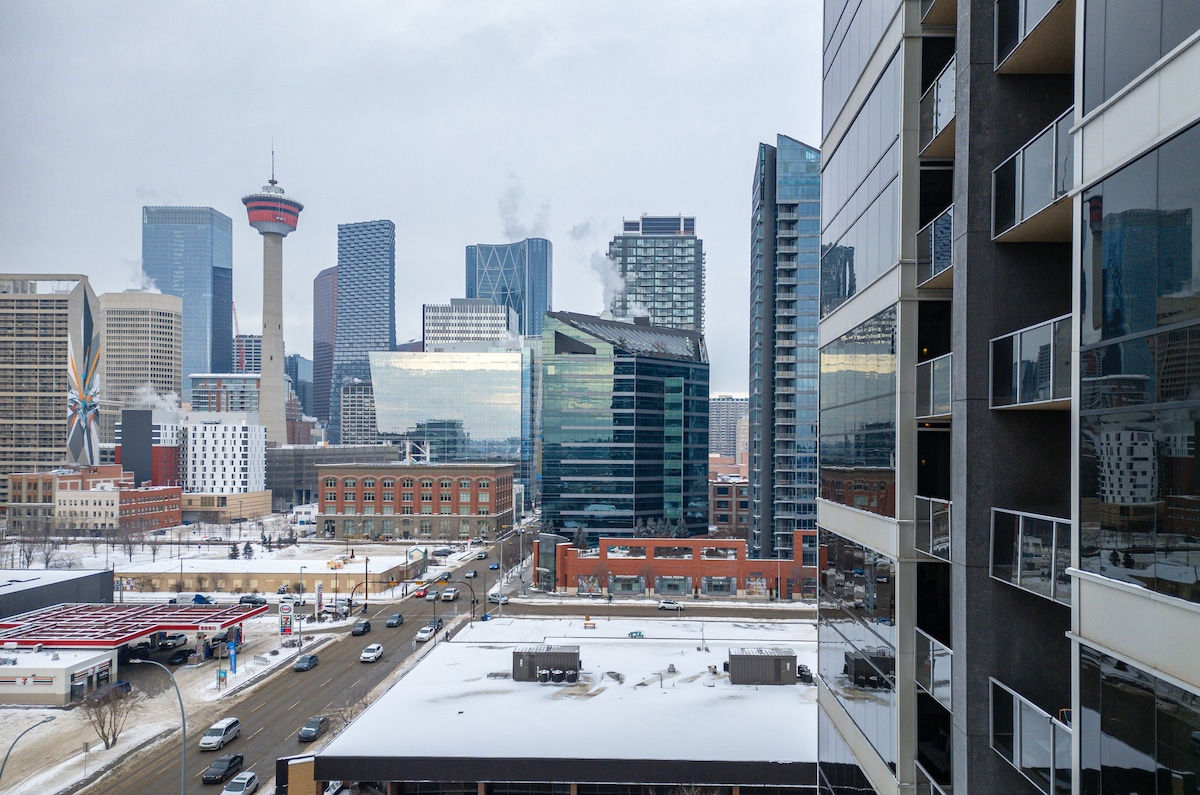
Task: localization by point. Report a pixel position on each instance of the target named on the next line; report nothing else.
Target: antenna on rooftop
(272, 180)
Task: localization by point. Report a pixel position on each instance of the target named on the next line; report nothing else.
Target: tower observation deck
(274, 216)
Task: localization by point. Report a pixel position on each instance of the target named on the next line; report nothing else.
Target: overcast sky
(432, 115)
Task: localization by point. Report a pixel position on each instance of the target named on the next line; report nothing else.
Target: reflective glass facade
(856, 638)
(852, 31)
(517, 275)
(625, 426)
(784, 310)
(324, 335)
(860, 211)
(366, 306)
(467, 407)
(188, 252)
(1138, 492)
(1139, 734)
(858, 416)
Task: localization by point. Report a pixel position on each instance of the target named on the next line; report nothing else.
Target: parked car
(425, 633)
(420, 593)
(179, 656)
(224, 767)
(282, 589)
(313, 728)
(372, 653)
(436, 623)
(241, 784)
(295, 599)
(443, 552)
(173, 640)
(494, 566)
(305, 662)
(140, 651)
(252, 599)
(449, 595)
(669, 604)
(472, 574)
(481, 555)
(497, 598)
(214, 540)
(361, 627)
(223, 731)
(395, 620)
(431, 595)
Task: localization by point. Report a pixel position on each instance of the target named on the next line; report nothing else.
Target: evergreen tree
(248, 551)
(233, 552)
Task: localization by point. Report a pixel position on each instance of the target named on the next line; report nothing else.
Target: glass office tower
(324, 336)
(366, 307)
(625, 426)
(188, 252)
(784, 276)
(463, 406)
(518, 275)
(661, 264)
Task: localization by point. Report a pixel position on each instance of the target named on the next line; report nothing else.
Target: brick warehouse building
(679, 567)
(421, 501)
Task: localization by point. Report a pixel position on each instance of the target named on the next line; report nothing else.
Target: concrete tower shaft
(274, 216)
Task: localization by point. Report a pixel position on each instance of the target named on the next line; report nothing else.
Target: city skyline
(184, 128)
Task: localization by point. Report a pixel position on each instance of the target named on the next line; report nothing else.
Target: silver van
(223, 731)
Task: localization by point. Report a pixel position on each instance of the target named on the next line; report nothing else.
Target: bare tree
(350, 705)
(155, 543)
(107, 712)
(201, 582)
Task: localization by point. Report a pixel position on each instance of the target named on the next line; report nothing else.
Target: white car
(371, 653)
(425, 633)
(669, 604)
(497, 599)
(292, 598)
(241, 784)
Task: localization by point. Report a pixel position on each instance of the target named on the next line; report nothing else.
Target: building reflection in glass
(462, 405)
(858, 416)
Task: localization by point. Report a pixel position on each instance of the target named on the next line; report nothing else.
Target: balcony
(934, 667)
(1031, 368)
(937, 115)
(1029, 190)
(939, 12)
(926, 785)
(1026, 737)
(786, 249)
(935, 251)
(1035, 36)
(1032, 552)
(933, 527)
(933, 387)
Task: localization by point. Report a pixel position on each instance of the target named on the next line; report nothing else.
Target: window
(426, 483)
(331, 496)
(406, 510)
(427, 496)
(481, 512)
(483, 497)
(406, 496)
(485, 484)
(331, 483)
(351, 483)
(389, 496)
(447, 483)
(464, 496)
(369, 483)
(369, 496)
(464, 483)
(407, 483)
(388, 483)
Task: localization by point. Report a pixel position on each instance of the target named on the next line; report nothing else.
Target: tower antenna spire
(272, 181)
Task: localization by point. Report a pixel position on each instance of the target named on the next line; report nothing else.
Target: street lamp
(182, 721)
(366, 582)
(47, 719)
(300, 612)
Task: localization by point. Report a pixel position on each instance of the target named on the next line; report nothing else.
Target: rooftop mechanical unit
(762, 666)
(528, 660)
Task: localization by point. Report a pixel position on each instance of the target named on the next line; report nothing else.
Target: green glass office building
(624, 426)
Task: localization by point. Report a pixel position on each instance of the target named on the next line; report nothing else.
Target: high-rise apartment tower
(660, 261)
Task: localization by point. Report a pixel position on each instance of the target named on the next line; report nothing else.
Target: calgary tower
(274, 216)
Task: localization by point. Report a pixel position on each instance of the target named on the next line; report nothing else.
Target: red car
(420, 593)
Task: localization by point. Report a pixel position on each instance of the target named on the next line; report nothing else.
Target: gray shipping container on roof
(528, 659)
(762, 666)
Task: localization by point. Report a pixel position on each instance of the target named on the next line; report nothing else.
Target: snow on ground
(627, 703)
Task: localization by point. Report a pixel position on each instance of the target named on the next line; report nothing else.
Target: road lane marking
(327, 681)
(164, 770)
(293, 706)
(252, 736)
(356, 683)
(260, 706)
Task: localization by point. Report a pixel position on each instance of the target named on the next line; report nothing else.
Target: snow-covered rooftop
(14, 580)
(628, 703)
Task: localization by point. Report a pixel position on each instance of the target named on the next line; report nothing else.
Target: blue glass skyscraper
(188, 252)
(784, 310)
(518, 275)
(366, 307)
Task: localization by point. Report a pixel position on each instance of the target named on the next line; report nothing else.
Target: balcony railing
(933, 387)
(936, 134)
(1026, 737)
(926, 785)
(1032, 552)
(1033, 366)
(933, 527)
(1035, 36)
(1028, 189)
(934, 667)
(935, 252)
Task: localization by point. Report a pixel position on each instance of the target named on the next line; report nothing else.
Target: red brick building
(420, 501)
(681, 567)
(151, 507)
(99, 497)
(729, 507)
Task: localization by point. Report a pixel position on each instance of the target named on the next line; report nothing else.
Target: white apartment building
(224, 453)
